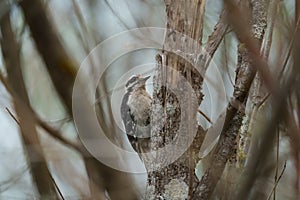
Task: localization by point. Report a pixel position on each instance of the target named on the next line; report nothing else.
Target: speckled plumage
(135, 113)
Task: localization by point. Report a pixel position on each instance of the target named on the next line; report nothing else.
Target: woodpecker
(135, 113)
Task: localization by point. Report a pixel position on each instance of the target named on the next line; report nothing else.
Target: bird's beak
(146, 78)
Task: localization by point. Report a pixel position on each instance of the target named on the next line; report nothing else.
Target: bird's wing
(140, 145)
(128, 121)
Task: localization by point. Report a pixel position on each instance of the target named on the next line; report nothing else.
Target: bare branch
(39, 170)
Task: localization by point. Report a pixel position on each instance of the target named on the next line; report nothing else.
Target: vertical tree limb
(184, 17)
(234, 114)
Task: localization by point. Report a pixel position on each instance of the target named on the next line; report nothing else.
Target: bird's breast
(140, 106)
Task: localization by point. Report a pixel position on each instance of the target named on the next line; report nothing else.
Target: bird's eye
(132, 80)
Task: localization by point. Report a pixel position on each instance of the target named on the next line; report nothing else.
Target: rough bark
(245, 74)
(183, 17)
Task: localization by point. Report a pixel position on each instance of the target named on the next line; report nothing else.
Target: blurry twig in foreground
(32, 147)
(62, 71)
(277, 181)
(53, 132)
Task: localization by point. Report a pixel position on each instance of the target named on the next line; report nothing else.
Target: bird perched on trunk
(135, 113)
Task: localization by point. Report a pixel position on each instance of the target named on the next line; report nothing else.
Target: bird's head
(136, 82)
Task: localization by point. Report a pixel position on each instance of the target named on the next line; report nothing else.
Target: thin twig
(12, 116)
(263, 100)
(277, 163)
(205, 116)
(290, 48)
(57, 188)
(277, 181)
(6, 184)
(56, 134)
(53, 132)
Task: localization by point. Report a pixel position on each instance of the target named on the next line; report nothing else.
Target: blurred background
(81, 25)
